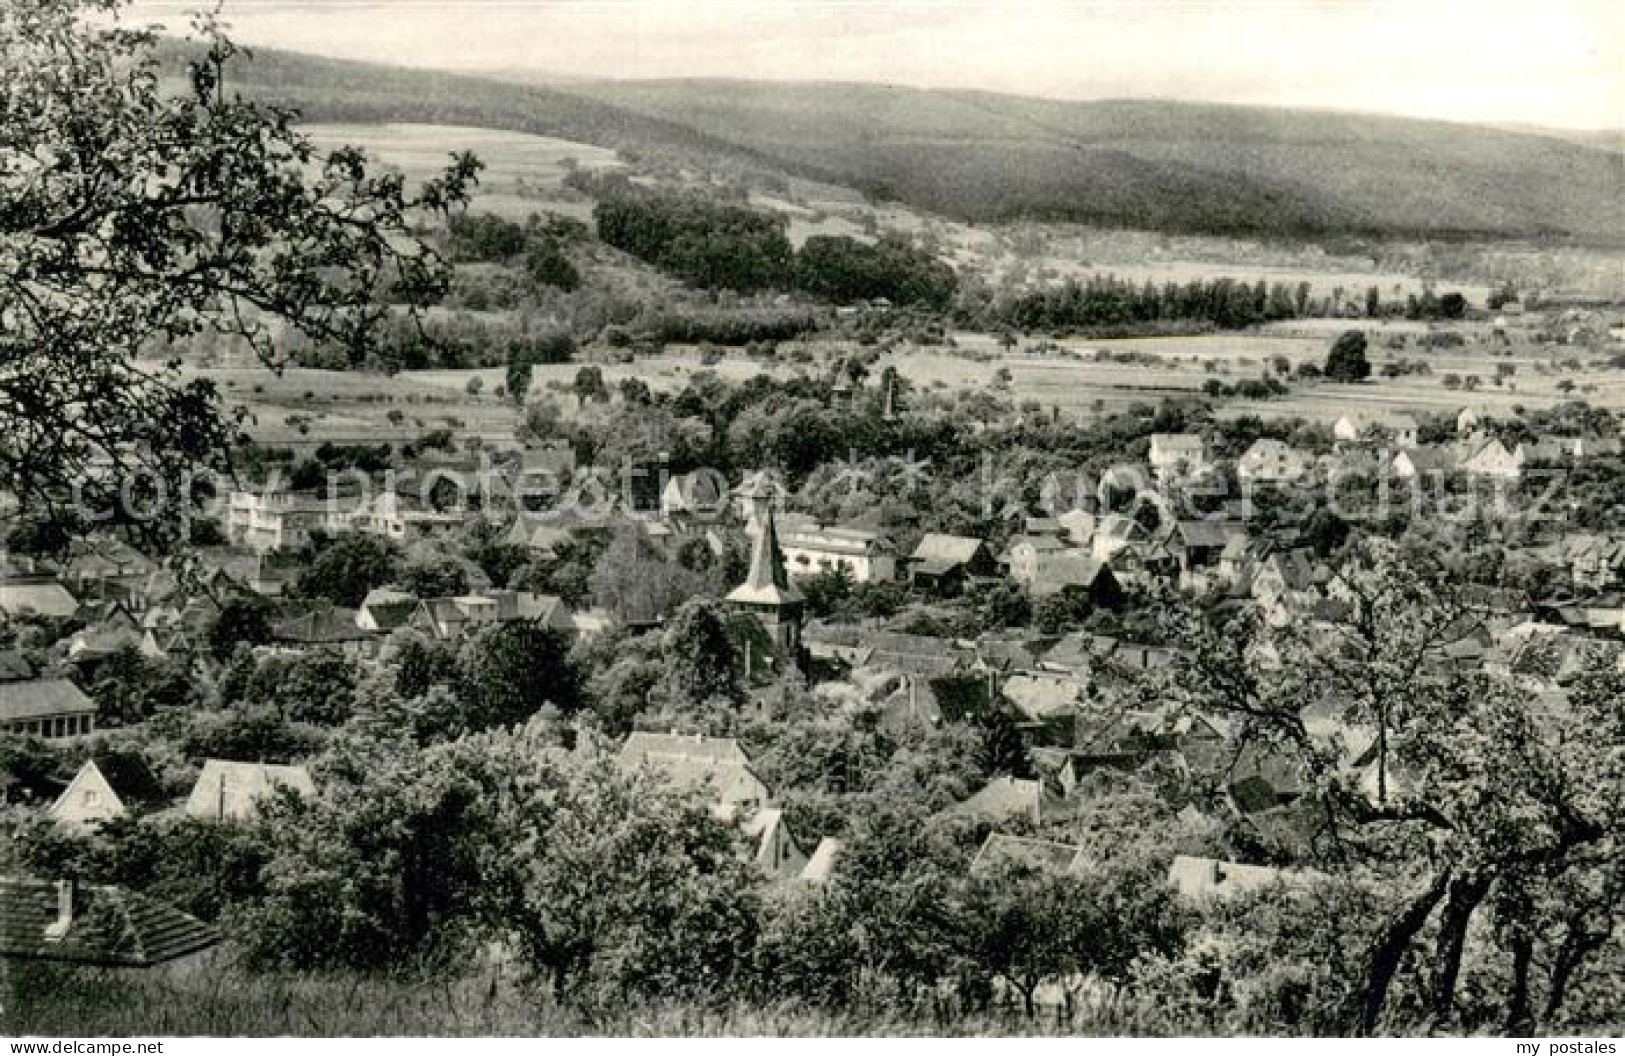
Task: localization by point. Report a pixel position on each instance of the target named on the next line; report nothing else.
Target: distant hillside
(1156, 165)
(1183, 166)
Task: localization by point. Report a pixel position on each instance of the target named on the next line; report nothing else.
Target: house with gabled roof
(234, 791)
(774, 848)
(1007, 798)
(323, 627)
(384, 609)
(716, 766)
(448, 618)
(867, 554)
(1366, 426)
(1420, 462)
(99, 925)
(106, 787)
(1488, 457)
(943, 563)
(823, 862)
(701, 496)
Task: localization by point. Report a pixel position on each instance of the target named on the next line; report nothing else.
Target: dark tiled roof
(111, 926)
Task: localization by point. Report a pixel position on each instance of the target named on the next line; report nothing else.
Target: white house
(233, 791)
(1271, 462)
(868, 555)
(1177, 454)
(266, 520)
(1491, 459)
(1362, 427)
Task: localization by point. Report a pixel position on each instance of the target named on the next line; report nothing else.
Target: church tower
(766, 592)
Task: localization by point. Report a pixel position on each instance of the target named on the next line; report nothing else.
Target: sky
(1559, 63)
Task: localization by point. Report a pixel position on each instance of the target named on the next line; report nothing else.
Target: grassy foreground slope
(227, 1002)
(1152, 165)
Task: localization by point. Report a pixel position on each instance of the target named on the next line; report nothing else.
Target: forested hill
(1154, 165)
(1159, 164)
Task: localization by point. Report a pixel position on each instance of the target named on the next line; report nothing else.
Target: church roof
(767, 582)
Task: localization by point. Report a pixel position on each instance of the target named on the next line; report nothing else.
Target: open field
(1084, 378)
(303, 408)
(523, 174)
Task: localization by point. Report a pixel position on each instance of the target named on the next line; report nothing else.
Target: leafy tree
(589, 384)
(130, 688)
(138, 218)
(1347, 362)
(484, 237)
(1466, 795)
(386, 868)
(348, 567)
(547, 265)
(432, 575)
(508, 671)
(699, 657)
(317, 686)
(634, 580)
(626, 890)
(241, 620)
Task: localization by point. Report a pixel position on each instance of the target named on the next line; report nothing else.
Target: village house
(698, 497)
(1472, 420)
(51, 708)
(717, 766)
(390, 517)
(234, 791)
(384, 609)
(266, 519)
(1271, 462)
(324, 627)
(1175, 455)
(1076, 571)
(99, 925)
(106, 787)
(1022, 556)
(942, 564)
(824, 860)
(1001, 848)
(1010, 798)
(1144, 564)
(1203, 880)
(1419, 463)
(864, 553)
(1400, 430)
(775, 847)
(449, 618)
(1490, 458)
(1198, 544)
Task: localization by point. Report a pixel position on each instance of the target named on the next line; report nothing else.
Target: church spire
(767, 582)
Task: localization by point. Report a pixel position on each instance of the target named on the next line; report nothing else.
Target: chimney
(57, 930)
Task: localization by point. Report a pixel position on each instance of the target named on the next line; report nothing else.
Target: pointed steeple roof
(767, 583)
